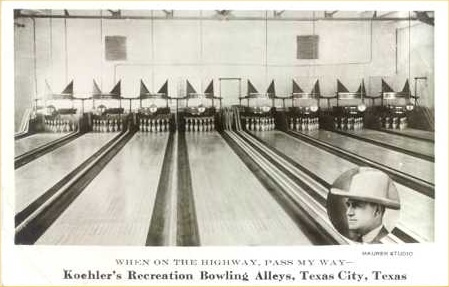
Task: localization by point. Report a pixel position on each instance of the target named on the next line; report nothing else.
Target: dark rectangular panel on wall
(115, 48)
(307, 47)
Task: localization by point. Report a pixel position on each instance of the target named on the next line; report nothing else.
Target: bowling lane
(232, 206)
(28, 143)
(415, 145)
(408, 164)
(417, 210)
(415, 133)
(116, 207)
(36, 177)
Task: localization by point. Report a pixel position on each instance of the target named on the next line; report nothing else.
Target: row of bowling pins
(154, 125)
(304, 124)
(259, 124)
(200, 124)
(106, 126)
(348, 123)
(59, 126)
(395, 123)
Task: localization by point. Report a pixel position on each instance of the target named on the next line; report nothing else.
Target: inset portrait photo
(363, 205)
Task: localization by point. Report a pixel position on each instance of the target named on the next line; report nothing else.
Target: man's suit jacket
(382, 233)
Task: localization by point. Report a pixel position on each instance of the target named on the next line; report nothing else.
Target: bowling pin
(111, 126)
(387, 122)
(350, 123)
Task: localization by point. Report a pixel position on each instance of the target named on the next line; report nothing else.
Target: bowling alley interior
(217, 127)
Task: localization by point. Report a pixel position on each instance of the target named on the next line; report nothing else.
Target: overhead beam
(292, 19)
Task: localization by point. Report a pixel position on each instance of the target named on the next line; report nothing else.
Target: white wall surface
(202, 50)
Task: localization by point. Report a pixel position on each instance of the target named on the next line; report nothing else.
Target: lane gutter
(29, 230)
(302, 218)
(406, 135)
(32, 207)
(159, 228)
(398, 232)
(33, 154)
(410, 181)
(386, 145)
(187, 224)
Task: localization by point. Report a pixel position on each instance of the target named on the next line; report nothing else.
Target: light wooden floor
(417, 210)
(28, 143)
(36, 177)
(116, 207)
(408, 164)
(417, 133)
(233, 208)
(418, 146)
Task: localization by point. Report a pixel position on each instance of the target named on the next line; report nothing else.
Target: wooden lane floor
(407, 164)
(395, 140)
(31, 142)
(417, 210)
(232, 206)
(413, 133)
(35, 178)
(116, 207)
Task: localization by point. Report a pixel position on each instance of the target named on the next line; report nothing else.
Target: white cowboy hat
(371, 185)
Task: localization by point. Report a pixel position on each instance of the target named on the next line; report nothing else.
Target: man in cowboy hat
(370, 193)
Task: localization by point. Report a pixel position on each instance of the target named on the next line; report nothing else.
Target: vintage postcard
(224, 143)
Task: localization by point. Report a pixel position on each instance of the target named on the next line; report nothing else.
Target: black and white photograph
(185, 137)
